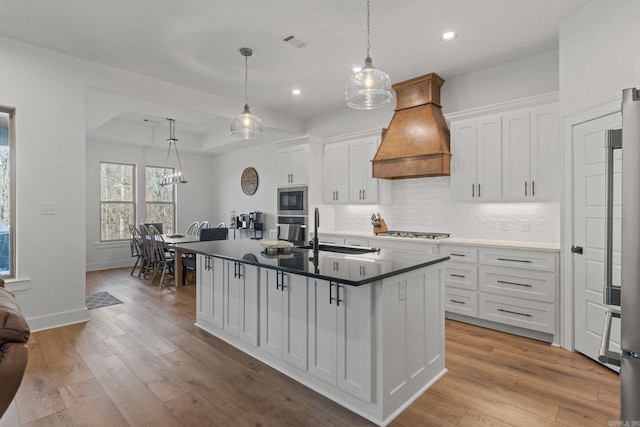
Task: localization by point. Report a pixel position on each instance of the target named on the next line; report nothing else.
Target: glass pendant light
(172, 176)
(368, 88)
(246, 125)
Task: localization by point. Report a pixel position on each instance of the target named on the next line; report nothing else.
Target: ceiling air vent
(294, 41)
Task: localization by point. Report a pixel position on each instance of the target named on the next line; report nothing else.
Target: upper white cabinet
(510, 156)
(476, 172)
(363, 186)
(348, 174)
(531, 154)
(293, 165)
(336, 173)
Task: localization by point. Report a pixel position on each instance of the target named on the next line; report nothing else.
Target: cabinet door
(322, 331)
(204, 288)
(489, 155)
(295, 321)
(515, 149)
(299, 166)
(271, 313)
(285, 160)
(249, 299)
(217, 305)
(336, 173)
(232, 297)
(354, 335)
(356, 172)
(370, 183)
(545, 153)
(463, 146)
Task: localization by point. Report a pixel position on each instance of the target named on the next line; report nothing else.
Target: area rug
(101, 299)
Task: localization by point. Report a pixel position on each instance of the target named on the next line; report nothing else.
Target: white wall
(599, 53)
(194, 199)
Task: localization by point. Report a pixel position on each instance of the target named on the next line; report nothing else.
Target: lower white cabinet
(340, 336)
(241, 300)
(511, 287)
(210, 290)
(283, 318)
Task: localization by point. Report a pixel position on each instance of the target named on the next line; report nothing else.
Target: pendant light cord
(246, 79)
(368, 32)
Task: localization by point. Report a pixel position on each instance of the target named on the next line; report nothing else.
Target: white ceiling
(195, 43)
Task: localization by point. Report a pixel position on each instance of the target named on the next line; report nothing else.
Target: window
(117, 200)
(7, 193)
(160, 201)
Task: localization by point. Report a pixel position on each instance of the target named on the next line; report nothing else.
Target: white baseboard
(57, 320)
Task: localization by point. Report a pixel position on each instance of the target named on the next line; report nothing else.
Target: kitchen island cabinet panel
(210, 289)
(283, 321)
(241, 300)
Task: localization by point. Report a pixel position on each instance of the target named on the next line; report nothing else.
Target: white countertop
(462, 241)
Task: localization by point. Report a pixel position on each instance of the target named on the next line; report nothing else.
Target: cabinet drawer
(528, 284)
(538, 316)
(461, 253)
(460, 275)
(544, 261)
(461, 301)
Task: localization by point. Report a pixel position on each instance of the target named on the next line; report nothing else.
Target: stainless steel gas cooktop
(414, 234)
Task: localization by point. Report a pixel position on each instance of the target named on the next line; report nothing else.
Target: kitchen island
(365, 330)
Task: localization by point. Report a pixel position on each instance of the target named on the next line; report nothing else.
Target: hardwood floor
(145, 363)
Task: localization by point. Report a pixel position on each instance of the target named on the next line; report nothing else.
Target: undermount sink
(341, 249)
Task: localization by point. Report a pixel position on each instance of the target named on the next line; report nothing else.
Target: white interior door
(588, 230)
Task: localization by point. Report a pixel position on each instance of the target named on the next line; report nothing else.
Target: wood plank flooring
(145, 363)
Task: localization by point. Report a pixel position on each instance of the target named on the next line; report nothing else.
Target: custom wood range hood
(416, 142)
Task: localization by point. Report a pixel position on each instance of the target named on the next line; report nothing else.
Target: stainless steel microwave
(292, 200)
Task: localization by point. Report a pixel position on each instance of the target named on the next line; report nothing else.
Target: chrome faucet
(316, 224)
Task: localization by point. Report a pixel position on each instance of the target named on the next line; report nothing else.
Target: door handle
(576, 250)
(525, 188)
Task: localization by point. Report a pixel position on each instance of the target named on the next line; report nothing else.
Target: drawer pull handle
(514, 283)
(515, 312)
(457, 275)
(457, 302)
(453, 254)
(515, 260)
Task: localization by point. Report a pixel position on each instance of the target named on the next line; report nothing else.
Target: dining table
(173, 240)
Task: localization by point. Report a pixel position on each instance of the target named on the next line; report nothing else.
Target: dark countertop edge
(320, 276)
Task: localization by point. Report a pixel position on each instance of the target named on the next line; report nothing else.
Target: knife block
(381, 228)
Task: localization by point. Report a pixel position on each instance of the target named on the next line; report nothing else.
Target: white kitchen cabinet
(340, 325)
(293, 165)
(531, 154)
(476, 171)
(283, 316)
(363, 187)
(512, 287)
(210, 292)
(241, 300)
(336, 173)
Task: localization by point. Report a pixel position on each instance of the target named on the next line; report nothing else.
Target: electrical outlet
(402, 291)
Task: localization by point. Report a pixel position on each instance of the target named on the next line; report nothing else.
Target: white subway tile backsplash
(424, 204)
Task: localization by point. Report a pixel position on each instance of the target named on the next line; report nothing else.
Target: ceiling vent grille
(294, 40)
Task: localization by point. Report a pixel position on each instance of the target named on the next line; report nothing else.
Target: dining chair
(206, 234)
(163, 260)
(203, 224)
(147, 252)
(193, 229)
(136, 246)
(157, 225)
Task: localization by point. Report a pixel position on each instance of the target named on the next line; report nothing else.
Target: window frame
(173, 203)
(132, 202)
(12, 192)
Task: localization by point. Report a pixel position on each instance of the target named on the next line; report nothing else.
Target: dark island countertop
(354, 270)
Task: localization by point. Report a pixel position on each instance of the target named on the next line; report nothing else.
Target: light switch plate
(47, 208)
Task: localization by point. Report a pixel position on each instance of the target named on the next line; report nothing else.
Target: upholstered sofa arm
(14, 334)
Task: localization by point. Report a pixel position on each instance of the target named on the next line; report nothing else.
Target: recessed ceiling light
(448, 36)
(296, 91)
(356, 69)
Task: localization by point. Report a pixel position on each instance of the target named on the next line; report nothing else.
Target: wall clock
(249, 181)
